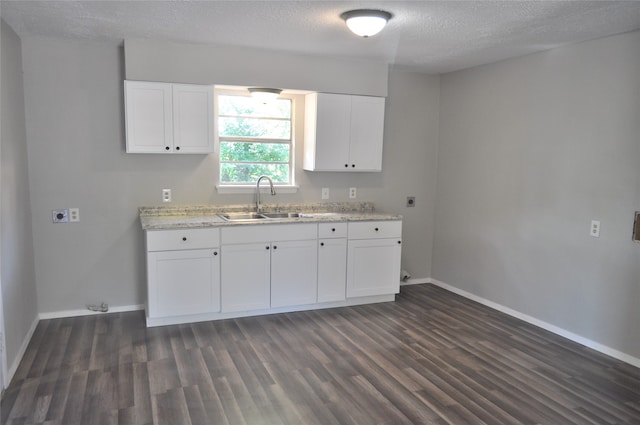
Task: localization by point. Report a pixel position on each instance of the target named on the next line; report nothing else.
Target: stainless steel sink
(282, 215)
(242, 216)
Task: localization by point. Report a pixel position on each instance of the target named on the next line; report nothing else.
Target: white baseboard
(634, 361)
(86, 312)
(23, 348)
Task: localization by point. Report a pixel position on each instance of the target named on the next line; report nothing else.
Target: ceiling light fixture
(264, 94)
(366, 22)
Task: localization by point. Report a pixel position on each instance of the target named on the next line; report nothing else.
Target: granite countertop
(190, 216)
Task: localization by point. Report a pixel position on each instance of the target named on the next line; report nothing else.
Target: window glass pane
(254, 152)
(257, 128)
(248, 106)
(249, 173)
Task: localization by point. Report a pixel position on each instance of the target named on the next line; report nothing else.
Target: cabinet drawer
(375, 229)
(269, 233)
(167, 240)
(332, 230)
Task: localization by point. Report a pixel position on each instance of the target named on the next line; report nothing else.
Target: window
(255, 139)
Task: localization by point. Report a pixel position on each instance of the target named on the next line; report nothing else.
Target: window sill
(240, 189)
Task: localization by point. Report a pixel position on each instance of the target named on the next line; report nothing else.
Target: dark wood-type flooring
(431, 357)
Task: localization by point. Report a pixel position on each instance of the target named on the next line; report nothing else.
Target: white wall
(75, 132)
(530, 151)
(16, 261)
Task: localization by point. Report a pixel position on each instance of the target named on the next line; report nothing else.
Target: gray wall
(16, 261)
(530, 151)
(75, 132)
(232, 65)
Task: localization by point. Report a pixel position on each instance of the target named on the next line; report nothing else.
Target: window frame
(230, 188)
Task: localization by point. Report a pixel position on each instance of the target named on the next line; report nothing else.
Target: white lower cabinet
(293, 273)
(183, 272)
(184, 282)
(246, 271)
(332, 270)
(373, 266)
(199, 274)
(332, 262)
(268, 266)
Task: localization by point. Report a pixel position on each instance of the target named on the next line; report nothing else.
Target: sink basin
(282, 215)
(242, 216)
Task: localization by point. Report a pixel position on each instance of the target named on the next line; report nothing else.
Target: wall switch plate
(595, 228)
(74, 214)
(166, 195)
(353, 193)
(411, 201)
(60, 216)
(325, 193)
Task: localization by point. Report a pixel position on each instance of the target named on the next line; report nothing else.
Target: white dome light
(264, 94)
(366, 22)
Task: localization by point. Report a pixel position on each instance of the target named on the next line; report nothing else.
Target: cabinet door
(327, 132)
(367, 131)
(245, 275)
(332, 269)
(373, 267)
(192, 118)
(183, 282)
(149, 121)
(294, 273)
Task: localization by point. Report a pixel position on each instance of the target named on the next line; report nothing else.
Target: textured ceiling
(428, 36)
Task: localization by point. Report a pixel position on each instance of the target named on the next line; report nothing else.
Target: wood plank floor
(431, 357)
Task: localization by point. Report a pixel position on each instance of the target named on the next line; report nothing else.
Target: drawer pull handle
(346, 165)
(275, 247)
(377, 229)
(184, 238)
(353, 165)
(399, 242)
(166, 148)
(177, 148)
(267, 246)
(215, 252)
(321, 243)
(333, 229)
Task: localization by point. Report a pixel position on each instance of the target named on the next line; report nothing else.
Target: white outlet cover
(353, 193)
(74, 214)
(325, 193)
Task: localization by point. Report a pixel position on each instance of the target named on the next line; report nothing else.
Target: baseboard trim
(619, 355)
(23, 349)
(85, 312)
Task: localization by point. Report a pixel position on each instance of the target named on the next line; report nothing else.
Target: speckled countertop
(186, 216)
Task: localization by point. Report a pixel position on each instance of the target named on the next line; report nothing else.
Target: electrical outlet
(595, 228)
(353, 193)
(74, 214)
(166, 195)
(325, 193)
(411, 201)
(60, 216)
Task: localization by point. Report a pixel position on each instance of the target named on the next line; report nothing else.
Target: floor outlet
(325, 193)
(352, 192)
(595, 228)
(74, 214)
(166, 195)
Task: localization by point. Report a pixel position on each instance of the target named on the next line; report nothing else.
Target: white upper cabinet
(343, 132)
(168, 118)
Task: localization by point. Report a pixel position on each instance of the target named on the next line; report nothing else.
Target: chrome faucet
(273, 191)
